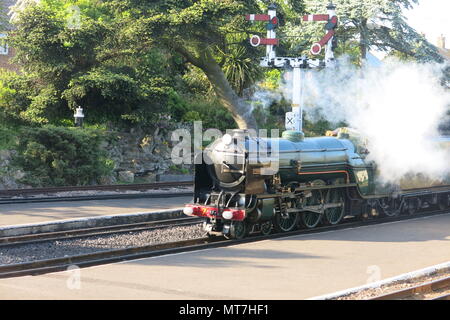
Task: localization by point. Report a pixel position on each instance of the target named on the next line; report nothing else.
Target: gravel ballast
(64, 248)
(400, 285)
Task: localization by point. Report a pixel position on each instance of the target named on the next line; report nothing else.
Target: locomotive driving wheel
(310, 219)
(413, 205)
(285, 221)
(390, 207)
(334, 215)
(443, 202)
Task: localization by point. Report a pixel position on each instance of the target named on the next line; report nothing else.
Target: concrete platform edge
(90, 222)
(414, 274)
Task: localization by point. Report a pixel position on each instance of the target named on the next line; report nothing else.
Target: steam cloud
(397, 106)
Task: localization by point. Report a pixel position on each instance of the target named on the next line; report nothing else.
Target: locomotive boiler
(247, 183)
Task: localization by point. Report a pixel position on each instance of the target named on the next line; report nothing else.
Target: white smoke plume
(397, 106)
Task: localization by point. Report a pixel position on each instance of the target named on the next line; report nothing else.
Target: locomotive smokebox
(225, 159)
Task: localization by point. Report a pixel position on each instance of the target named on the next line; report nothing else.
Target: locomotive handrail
(314, 150)
(315, 165)
(288, 194)
(327, 172)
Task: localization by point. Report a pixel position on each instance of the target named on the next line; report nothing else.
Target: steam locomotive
(247, 183)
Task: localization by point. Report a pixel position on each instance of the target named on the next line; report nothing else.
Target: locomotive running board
(317, 208)
(291, 194)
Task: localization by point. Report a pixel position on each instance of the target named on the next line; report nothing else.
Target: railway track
(432, 290)
(13, 196)
(96, 231)
(116, 255)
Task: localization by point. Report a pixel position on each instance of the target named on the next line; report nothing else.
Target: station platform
(29, 213)
(296, 267)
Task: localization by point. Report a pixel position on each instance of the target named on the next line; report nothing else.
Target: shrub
(8, 137)
(58, 156)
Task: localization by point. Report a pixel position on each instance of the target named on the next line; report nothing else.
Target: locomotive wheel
(443, 202)
(334, 215)
(238, 230)
(266, 228)
(390, 207)
(413, 205)
(285, 222)
(311, 219)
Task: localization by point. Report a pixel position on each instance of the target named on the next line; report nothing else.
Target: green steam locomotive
(248, 184)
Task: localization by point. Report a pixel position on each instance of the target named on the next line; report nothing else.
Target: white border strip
(377, 284)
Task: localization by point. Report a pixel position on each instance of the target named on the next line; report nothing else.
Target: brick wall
(5, 61)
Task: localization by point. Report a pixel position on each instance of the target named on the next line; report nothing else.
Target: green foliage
(272, 79)
(211, 113)
(271, 116)
(178, 169)
(67, 64)
(13, 96)
(363, 25)
(58, 156)
(237, 60)
(8, 137)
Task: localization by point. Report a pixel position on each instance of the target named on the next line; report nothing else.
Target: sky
(432, 18)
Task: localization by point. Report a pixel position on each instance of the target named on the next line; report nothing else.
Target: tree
(200, 32)
(375, 24)
(72, 55)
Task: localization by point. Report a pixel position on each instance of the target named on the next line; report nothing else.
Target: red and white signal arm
(316, 48)
(261, 17)
(255, 41)
(330, 26)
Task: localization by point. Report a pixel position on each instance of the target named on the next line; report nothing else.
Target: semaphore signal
(294, 119)
(329, 38)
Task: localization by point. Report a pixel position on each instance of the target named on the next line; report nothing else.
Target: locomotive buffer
(294, 119)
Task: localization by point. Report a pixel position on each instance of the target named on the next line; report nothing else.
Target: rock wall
(10, 175)
(137, 154)
(138, 157)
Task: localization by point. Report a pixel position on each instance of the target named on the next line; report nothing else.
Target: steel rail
(423, 288)
(442, 297)
(97, 197)
(98, 258)
(116, 255)
(96, 231)
(120, 187)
